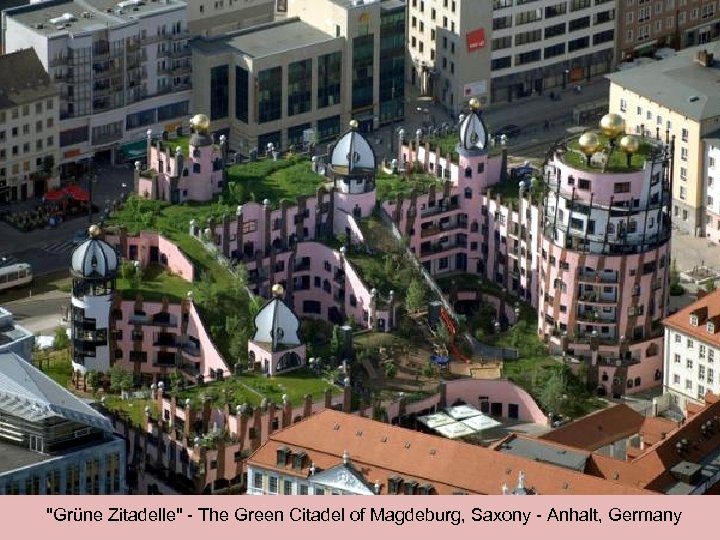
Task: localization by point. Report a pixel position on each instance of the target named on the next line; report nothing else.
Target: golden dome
(474, 104)
(630, 144)
(612, 125)
(589, 142)
(94, 230)
(353, 124)
(277, 290)
(200, 122)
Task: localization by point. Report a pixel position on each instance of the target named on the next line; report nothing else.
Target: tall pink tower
(605, 255)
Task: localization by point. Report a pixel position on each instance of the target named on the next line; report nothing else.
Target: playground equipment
(452, 330)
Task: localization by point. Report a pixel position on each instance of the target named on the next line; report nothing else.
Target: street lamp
(124, 191)
(401, 154)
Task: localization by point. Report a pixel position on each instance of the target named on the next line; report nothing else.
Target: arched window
(468, 193)
(481, 167)
(196, 168)
(289, 360)
(604, 376)
(185, 171)
(468, 172)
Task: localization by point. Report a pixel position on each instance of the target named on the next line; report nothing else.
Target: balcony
(597, 277)
(181, 53)
(599, 318)
(440, 208)
(301, 266)
(439, 247)
(443, 228)
(181, 69)
(595, 297)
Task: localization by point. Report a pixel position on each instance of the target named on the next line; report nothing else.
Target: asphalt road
(41, 313)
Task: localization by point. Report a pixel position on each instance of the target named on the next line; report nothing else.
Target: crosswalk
(60, 247)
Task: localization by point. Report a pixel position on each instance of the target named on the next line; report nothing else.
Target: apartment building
(120, 67)
(211, 17)
(29, 123)
(458, 51)
(7, 4)
(448, 50)
(711, 181)
(646, 25)
(272, 83)
(546, 44)
(53, 443)
(692, 351)
(676, 97)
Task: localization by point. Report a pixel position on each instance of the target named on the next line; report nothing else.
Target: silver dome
(473, 133)
(94, 258)
(353, 142)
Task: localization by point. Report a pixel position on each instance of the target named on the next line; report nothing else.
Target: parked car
(509, 131)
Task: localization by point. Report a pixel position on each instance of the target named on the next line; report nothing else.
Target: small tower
(94, 269)
(276, 346)
(472, 148)
(352, 164)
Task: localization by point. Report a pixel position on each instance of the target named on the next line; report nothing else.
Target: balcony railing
(439, 209)
(597, 298)
(598, 277)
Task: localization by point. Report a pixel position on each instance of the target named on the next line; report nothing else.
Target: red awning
(53, 196)
(77, 193)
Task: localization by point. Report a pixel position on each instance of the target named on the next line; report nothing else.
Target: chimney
(307, 408)
(347, 396)
(286, 411)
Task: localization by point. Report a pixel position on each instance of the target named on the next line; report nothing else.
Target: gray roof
(16, 457)
(674, 81)
(28, 393)
(101, 14)
(544, 452)
(29, 81)
(265, 40)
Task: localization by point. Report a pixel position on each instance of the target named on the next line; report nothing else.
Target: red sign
(475, 40)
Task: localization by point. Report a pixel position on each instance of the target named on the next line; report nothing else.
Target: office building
(29, 124)
(300, 80)
(121, 68)
(212, 17)
(646, 26)
(677, 97)
(51, 442)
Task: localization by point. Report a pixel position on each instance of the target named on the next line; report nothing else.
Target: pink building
(174, 176)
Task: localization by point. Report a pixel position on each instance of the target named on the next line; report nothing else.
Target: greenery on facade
(153, 282)
(389, 186)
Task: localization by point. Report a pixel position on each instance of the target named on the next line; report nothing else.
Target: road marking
(58, 248)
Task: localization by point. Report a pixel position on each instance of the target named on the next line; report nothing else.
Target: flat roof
(99, 14)
(15, 457)
(679, 83)
(265, 40)
(544, 452)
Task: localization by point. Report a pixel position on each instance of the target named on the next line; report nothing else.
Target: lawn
(154, 283)
(133, 408)
(273, 180)
(56, 365)
(251, 388)
(389, 186)
(617, 163)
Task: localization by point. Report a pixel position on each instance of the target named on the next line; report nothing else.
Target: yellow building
(677, 97)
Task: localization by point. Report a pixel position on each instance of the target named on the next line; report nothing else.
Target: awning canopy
(53, 196)
(77, 193)
(134, 150)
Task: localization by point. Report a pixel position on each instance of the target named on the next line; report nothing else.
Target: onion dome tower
(200, 124)
(276, 347)
(352, 164)
(473, 132)
(94, 267)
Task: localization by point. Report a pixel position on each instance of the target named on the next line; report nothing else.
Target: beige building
(273, 83)
(212, 17)
(448, 46)
(677, 97)
(645, 25)
(29, 121)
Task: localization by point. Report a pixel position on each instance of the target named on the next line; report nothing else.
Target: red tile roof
(380, 450)
(707, 307)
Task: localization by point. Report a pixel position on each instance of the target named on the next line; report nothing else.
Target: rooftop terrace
(616, 159)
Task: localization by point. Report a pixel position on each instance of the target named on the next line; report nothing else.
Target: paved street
(48, 250)
(41, 313)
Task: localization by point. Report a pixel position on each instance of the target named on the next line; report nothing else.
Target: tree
(120, 379)
(93, 379)
(336, 341)
(177, 381)
(553, 391)
(710, 285)
(416, 296)
(390, 370)
(676, 289)
(62, 341)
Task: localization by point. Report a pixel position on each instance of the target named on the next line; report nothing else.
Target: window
(273, 484)
(623, 105)
(287, 487)
(257, 480)
(676, 379)
(677, 359)
(684, 153)
(690, 344)
(683, 173)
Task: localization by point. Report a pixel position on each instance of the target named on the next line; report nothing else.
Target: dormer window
(694, 320)
(282, 453)
(710, 327)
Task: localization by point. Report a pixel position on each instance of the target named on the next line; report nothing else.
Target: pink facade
(176, 177)
(152, 248)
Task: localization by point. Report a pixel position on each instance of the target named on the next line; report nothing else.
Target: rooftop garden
(183, 142)
(252, 388)
(550, 383)
(389, 186)
(616, 160)
(152, 282)
(448, 143)
(273, 180)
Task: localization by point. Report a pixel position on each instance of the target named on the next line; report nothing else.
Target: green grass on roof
(617, 162)
(153, 284)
